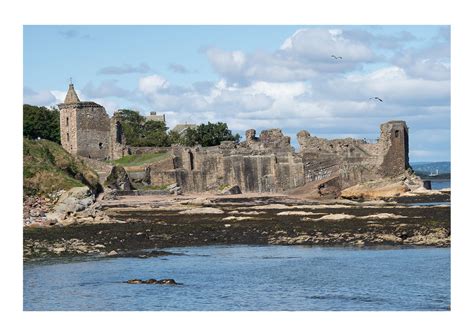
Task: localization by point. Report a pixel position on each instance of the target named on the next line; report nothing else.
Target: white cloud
(392, 84)
(153, 83)
(38, 98)
(320, 44)
(307, 54)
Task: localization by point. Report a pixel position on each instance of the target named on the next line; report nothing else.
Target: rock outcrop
(231, 190)
(118, 180)
(384, 187)
(75, 200)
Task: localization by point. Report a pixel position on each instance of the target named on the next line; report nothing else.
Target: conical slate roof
(71, 96)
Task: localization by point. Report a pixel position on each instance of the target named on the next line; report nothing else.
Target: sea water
(247, 278)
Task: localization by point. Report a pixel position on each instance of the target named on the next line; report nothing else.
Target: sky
(257, 77)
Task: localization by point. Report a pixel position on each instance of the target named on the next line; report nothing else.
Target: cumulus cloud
(319, 44)
(381, 40)
(124, 69)
(38, 98)
(429, 63)
(392, 84)
(152, 84)
(304, 55)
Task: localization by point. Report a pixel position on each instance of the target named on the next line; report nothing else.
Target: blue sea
(247, 278)
(438, 185)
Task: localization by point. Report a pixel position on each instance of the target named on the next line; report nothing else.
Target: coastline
(137, 223)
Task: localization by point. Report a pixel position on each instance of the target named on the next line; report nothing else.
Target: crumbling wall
(264, 164)
(356, 161)
(117, 142)
(85, 129)
(268, 163)
(93, 130)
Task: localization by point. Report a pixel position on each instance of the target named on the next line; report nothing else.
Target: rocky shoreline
(127, 225)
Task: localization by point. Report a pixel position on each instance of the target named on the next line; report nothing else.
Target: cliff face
(269, 164)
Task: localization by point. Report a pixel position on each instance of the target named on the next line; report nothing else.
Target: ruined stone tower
(395, 136)
(85, 127)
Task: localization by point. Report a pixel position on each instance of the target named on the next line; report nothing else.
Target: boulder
(231, 190)
(75, 200)
(118, 180)
(174, 189)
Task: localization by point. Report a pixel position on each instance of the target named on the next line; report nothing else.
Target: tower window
(67, 121)
(67, 136)
(191, 160)
(100, 145)
(397, 133)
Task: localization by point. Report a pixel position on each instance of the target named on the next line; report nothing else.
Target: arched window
(397, 133)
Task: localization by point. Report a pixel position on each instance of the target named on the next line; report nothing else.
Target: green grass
(224, 186)
(141, 159)
(47, 168)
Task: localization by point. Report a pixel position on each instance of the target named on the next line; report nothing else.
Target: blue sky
(256, 76)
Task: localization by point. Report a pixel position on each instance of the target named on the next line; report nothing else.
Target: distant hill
(428, 167)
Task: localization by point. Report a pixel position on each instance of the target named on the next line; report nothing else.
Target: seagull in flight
(377, 98)
(336, 57)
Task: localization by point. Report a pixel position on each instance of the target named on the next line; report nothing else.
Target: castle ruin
(267, 163)
(87, 130)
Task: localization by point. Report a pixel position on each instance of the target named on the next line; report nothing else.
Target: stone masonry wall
(68, 126)
(93, 130)
(269, 164)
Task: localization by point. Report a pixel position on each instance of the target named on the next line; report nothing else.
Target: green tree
(142, 133)
(153, 133)
(41, 122)
(209, 134)
(131, 122)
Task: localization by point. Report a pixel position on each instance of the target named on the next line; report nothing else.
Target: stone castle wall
(269, 164)
(68, 126)
(93, 131)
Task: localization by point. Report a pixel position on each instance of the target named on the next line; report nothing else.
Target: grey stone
(235, 189)
(118, 179)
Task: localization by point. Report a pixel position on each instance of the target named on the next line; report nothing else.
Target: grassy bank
(48, 168)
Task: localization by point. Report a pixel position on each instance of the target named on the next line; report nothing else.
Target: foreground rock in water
(167, 281)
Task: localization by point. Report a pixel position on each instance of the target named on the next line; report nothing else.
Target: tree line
(42, 122)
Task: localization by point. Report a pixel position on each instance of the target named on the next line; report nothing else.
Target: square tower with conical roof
(85, 127)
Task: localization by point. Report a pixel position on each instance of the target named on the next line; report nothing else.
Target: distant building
(154, 117)
(181, 128)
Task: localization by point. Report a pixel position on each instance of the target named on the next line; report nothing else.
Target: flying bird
(377, 98)
(336, 57)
